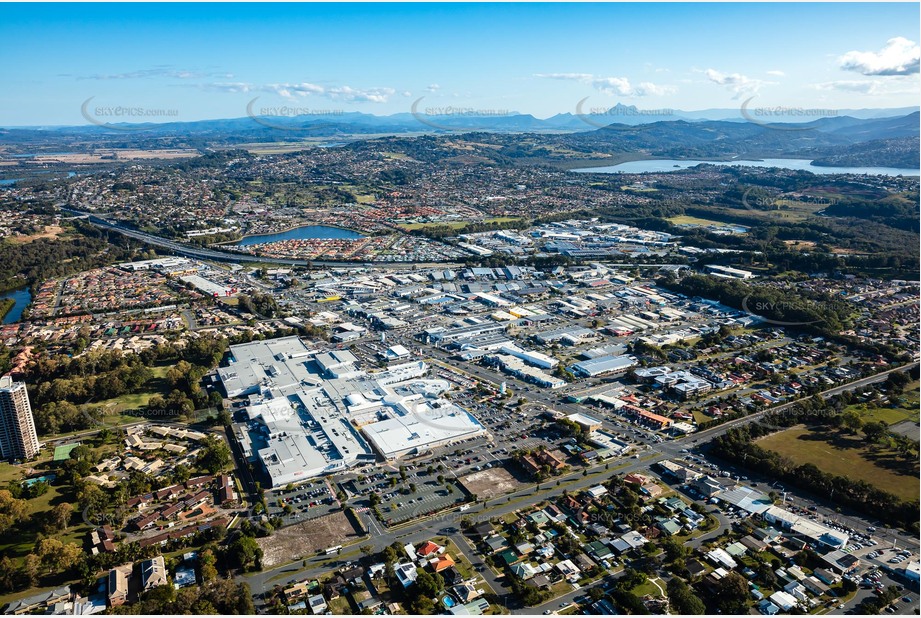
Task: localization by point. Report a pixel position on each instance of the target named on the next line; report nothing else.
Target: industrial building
(315, 412)
(729, 272)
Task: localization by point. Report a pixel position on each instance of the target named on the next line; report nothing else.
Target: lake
(672, 165)
(22, 298)
(300, 233)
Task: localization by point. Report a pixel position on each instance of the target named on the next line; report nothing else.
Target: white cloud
(433, 88)
(899, 57)
(618, 86)
(373, 95)
(335, 93)
(232, 87)
(168, 72)
(864, 87)
(777, 73)
(871, 86)
(738, 83)
(581, 77)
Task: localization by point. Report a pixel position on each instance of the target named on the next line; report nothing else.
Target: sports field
(62, 452)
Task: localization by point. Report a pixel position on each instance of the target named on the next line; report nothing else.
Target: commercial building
(18, 439)
(532, 358)
(604, 365)
(317, 412)
(516, 367)
(804, 527)
(587, 423)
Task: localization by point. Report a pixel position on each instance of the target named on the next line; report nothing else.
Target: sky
(183, 62)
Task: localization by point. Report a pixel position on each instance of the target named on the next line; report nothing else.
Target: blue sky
(201, 61)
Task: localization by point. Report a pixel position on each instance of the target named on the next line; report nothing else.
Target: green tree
(682, 599)
(244, 552)
(732, 594)
(215, 456)
(429, 584)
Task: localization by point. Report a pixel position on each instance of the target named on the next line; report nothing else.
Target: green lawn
(837, 452)
(116, 406)
(647, 588)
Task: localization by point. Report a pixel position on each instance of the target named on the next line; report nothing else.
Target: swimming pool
(47, 478)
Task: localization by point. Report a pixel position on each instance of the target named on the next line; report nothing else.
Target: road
(447, 524)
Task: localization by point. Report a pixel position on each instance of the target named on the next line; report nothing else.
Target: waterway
(22, 297)
(300, 233)
(672, 165)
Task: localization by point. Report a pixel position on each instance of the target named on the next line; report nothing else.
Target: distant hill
(890, 141)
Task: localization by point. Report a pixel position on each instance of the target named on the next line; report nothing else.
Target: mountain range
(887, 138)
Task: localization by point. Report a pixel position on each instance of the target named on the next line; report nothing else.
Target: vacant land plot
(488, 484)
(306, 539)
(689, 220)
(846, 455)
(51, 231)
(455, 225)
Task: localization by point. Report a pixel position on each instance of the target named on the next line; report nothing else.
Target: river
(672, 165)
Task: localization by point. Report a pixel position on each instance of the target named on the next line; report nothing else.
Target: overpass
(206, 253)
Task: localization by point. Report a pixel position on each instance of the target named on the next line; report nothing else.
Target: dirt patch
(51, 231)
(490, 483)
(306, 539)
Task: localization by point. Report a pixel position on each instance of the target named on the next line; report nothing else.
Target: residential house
(153, 573)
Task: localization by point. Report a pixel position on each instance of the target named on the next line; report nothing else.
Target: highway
(204, 253)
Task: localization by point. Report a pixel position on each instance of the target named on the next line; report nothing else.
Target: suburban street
(448, 523)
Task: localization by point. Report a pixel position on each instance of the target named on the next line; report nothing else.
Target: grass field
(689, 220)
(846, 455)
(456, 225)
(132, 401)
(17, 548)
